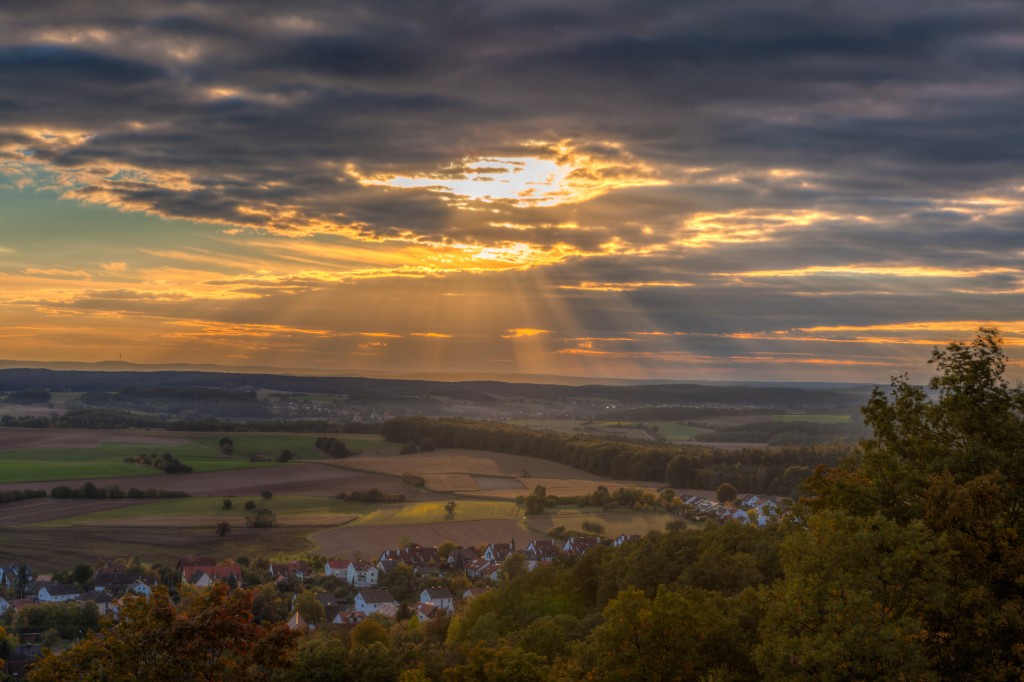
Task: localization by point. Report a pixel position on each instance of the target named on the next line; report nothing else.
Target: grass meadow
(200, 451)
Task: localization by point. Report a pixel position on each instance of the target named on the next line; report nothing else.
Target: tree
(309, 607)
(261, 518)
(223, 528)
(408, 448)
(642, 639)
(226, 445)
(285, 456)
(266, 494)
(214, 637)
(942, 477)
(449, 507)
(227, 504)
(726, 493)
(250, 505)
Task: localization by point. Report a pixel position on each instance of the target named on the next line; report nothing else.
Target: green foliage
(726, 493)
(261, 518)
(212, 638)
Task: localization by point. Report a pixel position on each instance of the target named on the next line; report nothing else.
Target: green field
(185, 508)
(560, 425)
(813, 418)
(678, 432)
(201, 452)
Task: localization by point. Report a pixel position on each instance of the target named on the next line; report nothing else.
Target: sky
(786, 190)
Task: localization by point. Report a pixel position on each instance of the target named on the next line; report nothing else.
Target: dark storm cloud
(778, 136)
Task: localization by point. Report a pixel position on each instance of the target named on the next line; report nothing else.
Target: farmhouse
(497, 551)
(356, 573)
(348, 618)
(541, 552)
(372, 601)
(412, 556)
(57, 592)
(9, 574)
(577, 546)
(440, 597)
(204, 576)
(103, 600)
(461, 556)
(293, 569)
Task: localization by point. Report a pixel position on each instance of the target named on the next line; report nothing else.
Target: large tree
(911, 561)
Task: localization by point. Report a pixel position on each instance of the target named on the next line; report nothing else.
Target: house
(623, 539)
(541, 552)
(389, 611)
(337, 568)
(575, 546)
(427, 611)
(492, 572)
(475, 569)
(439, 596)
(297, 622)
(114, 578)
(410, 556)
(372, 601)
(361, 574)
(4, 605)
(204, 576)
(103, 600)
(356, 573)
(496, 552)
(191, 560)
(58, 592)
(460, 557)
(330, 604)
(9, 574)
(348, 618)
(142, 588)
(293, 569)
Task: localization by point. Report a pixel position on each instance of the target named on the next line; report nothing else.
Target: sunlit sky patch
(678, 191)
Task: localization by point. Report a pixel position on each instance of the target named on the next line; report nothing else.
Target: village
(425, 583)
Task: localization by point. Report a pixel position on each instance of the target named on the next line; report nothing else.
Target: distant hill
(841, 398)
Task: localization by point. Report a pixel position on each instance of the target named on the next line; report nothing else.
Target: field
(485, 474)
(59, 532)
(56, 454)
(673, 431)
(615, 523)
(814, 418)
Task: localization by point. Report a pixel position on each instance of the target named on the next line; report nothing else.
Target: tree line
(777, 471)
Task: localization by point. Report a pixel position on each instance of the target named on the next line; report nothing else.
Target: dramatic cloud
(778, 190)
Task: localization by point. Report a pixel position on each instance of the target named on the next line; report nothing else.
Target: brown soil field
(42, 509)
(473, 462)
(20, 439)
(449, 483)
(560, 487)
(492, 483)
(208, 522)
(47, 549)
(304, 478)
(370, 541)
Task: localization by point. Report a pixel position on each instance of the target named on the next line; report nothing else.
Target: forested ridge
(902, 562)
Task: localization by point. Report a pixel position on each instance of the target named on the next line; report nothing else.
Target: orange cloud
(523, 332)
